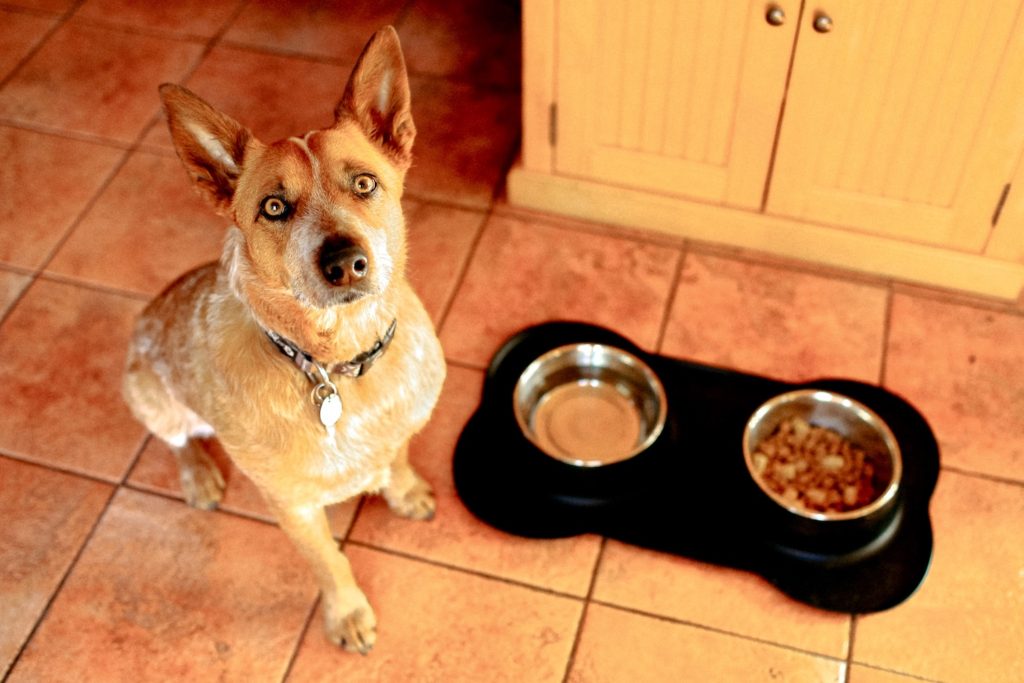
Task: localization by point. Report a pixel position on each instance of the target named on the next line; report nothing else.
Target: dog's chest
(380, 412)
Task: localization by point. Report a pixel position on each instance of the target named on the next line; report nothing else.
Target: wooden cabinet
(880, 136)
(680, 98)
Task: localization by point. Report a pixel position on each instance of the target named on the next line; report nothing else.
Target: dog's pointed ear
(212, 145)
(377, 97)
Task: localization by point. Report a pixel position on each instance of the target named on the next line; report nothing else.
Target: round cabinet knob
(775, 16)
(822, 23)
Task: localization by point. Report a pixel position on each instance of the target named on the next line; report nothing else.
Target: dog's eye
(364, 184)
(275, 208)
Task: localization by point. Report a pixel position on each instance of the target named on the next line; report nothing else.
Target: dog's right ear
(212, 145)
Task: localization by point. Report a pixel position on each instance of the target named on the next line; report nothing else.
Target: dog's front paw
(201, 480)
(416, 503)
(355, 631)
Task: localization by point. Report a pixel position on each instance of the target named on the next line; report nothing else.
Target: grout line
(462, 570)
(173, 497)
(271, 51)
(15, 269)
(218, 35)
(54, 467)
(580, 225)
(81, 283)
(6, 313)
(60, 584)
(31, 11)
(904, 674)
(449, 202)
(77, 136)
(442, 203)
(994, 478)
(883, 365)
(343, 540)
(849, 648)
(464, 270)
(789, 263)
(953, 297)
(253, 48)
(587, 602)
(140, 30)
(720, 631)
(135, 459)
(303, 632)
(86, 208)
(677, 276)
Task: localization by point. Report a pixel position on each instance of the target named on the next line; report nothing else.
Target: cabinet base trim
(780, 236)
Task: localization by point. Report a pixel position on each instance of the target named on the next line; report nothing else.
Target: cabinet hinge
(553, 124)
(999, 204)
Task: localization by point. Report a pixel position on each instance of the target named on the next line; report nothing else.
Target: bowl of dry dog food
(825, 459)
(590, 405)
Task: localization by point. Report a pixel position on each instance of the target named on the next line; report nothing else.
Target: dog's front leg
(348, 618)
(407, 493)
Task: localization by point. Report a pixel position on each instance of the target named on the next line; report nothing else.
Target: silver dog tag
(330, 410)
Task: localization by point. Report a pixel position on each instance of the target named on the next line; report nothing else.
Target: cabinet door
(905, 119)
(677, 97)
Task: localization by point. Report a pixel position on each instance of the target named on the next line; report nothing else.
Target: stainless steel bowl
(589, 404)
(852, 420)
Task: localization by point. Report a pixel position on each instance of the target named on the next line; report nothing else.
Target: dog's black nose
(343, 263)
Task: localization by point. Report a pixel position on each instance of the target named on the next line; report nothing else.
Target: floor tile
(961, 367)
(436, 624)
(337, 29)
(274, 96)
(156, 470)
(123, 242)
(784, 324)
(440, 241)
(97, 81)
(454, 536)
(19, 33)
(46, 518)
(11, 287)
(526, 273)
(465, 139)
(724, 599)
(200, 18)
(864, 674)
(61, 354)
(966, 622)
(479, 43)
(164, 592)
(46, 183)
(53, 6)
(620, 646)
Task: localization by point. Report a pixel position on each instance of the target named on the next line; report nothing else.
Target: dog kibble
(817, 469)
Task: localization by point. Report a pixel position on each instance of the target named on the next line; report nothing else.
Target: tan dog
(307, 312)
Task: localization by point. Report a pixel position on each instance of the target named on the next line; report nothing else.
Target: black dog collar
(357, 367)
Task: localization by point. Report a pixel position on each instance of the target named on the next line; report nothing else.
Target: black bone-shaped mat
(690, 493)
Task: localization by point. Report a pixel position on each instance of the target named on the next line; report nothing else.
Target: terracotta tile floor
(106, 575)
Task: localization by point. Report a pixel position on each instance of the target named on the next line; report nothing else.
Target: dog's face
(320, 215)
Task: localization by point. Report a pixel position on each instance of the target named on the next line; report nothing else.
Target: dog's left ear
(377, 97)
